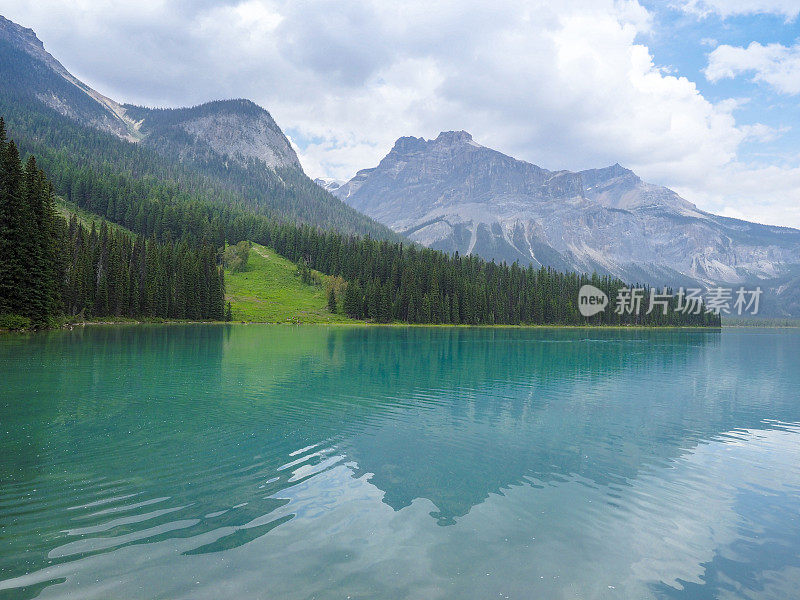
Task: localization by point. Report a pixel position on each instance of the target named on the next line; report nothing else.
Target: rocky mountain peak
(21, 70)
(14, 32)
(408, 144)
(328, 183)
(453, 194)
(602, 176)
(25, 39)
(238, 128)
(618, 187)
(453, 138)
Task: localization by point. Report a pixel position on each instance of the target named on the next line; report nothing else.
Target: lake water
(309, 462)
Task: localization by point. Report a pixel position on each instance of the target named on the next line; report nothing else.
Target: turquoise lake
(250, 461)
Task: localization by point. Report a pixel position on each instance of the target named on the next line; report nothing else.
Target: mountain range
(453, 194)
(449, 193)
(231, 148)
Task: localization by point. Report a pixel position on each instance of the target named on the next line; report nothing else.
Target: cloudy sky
(700, 95)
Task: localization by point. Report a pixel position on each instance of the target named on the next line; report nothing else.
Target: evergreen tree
(353, 306)
(14, 218)
(332, 300)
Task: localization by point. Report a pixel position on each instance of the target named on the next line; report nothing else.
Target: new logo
(591, 300)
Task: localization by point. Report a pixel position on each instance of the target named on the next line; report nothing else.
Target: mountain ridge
(134, 123)
(231, 148)
(453, 194)
(237, 128)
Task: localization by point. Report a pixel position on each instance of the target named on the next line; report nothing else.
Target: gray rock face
(456, 195)
(238, 130)
(232, 134)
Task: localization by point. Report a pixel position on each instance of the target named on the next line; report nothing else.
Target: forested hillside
(52, 268)
(64, 147)
(388, 281)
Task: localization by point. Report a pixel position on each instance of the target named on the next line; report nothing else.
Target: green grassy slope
(270, 291)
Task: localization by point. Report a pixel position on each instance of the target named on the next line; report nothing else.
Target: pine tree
(332, 300)
(353, 306)
(411, 310)
(385, 306)
(14, 218)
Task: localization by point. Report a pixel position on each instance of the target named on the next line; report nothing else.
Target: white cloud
(764, 194)
(564, 85)
(759, 132)
(728, 8)
(774, 64)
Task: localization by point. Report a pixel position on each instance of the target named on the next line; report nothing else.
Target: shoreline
(131, 323)
(173, 322)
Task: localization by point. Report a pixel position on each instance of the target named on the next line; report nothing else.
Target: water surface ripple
(309, 462)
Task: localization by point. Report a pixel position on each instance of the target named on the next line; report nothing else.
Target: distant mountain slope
(453, 194)
(232, 151)
(237, 129)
